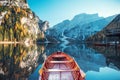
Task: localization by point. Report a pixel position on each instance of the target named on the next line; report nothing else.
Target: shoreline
(9, 42)
(15, 43)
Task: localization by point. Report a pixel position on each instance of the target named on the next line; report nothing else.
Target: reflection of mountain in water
(18, 62)
(112, 54)
(87, 58)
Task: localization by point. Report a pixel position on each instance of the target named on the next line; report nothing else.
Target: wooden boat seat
(60, 70)
(60, 61)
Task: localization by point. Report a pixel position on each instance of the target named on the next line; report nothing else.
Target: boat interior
(60, 66)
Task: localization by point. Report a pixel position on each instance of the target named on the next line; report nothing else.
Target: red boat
(60, 66)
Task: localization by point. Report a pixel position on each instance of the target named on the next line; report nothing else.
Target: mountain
(114, 25)
(56, 31)
(81, 32)
(112, 53)
(79, 28)
(84, 19)
(18, 22)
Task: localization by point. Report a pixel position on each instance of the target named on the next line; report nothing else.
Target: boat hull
(60, 66)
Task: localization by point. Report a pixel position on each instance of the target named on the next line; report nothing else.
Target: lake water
(18, 62)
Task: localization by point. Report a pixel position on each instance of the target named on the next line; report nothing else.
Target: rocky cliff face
(17, 21)
(80, 27)
(18, 3)
(41, 34)
(101, 36)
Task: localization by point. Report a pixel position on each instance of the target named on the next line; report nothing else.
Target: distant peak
(85, 16)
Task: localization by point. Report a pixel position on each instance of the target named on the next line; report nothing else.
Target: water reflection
(105, 73)
(85, 57)
(20, 62)
(111, 53)
(90, 60)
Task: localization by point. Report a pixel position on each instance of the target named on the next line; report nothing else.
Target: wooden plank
(60, 61)
(55, 74)
(62, 70)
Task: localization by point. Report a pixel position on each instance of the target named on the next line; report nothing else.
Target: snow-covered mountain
(80, 27)
(114, 25)
(81, 32)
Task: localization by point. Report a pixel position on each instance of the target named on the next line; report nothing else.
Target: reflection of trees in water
(18, 62)
(112, 54)
(41, 49)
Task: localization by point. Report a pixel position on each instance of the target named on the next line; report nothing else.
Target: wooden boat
(60, 66)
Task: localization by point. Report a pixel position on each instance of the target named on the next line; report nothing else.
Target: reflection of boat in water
(60, 66)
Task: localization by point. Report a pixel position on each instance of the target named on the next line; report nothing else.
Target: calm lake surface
(18, 62)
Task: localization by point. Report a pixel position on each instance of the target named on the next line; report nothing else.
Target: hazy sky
(56, 11)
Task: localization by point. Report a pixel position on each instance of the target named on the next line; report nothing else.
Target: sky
(55, 11)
